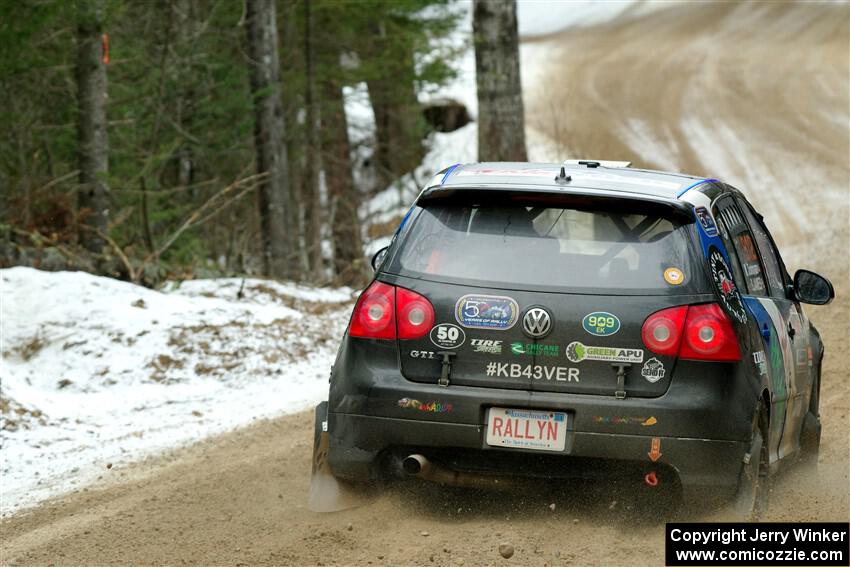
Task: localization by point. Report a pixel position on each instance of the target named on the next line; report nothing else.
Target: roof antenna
(562, 176)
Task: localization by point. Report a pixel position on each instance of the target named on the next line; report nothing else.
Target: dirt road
(754, 94)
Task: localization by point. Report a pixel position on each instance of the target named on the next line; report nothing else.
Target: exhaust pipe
(419, 466)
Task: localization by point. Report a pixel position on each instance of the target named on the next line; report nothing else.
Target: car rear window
(540, 247)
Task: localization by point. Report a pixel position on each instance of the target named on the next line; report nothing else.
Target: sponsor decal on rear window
(601, 323)
(706, 221)
(493, 312)
(576, 352)
(535, 349)
(532, 371)
(447, 335)
(653, 370)
(730, 297)
(674, 276)
(488, 346)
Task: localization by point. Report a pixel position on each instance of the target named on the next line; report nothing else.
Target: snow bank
(97, 371)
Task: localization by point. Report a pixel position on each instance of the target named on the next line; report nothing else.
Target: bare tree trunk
(93, 148)
(292, 66)
(276, 219)
(501, 120)
(313, 163)
(345, 201)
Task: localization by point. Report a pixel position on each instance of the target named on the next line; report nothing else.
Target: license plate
(527, 429)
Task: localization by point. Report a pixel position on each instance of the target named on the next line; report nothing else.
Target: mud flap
(327, 493)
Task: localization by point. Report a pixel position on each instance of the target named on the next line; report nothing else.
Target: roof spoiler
(597, 163)
(583, 199)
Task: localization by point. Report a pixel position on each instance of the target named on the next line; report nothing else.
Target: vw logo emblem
(536, 322)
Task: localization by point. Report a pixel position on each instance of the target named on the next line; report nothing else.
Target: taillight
(662, 331)
(696, 332)
(415, 314)
(374, 314)
(709, 335)
(382, 307)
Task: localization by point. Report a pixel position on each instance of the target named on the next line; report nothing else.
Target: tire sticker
(730, 297)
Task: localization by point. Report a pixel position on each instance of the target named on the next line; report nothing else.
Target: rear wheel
(751, 500)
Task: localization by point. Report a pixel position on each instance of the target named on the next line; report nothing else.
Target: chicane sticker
(488, 346)
(722, 276)
(433, 407)
(601, 323)
(706, 221)
(624, 420)
(494, 312)
(653, 370)
(674, 276)
(576, 352)
(535, 371)
(535, 349)
(447, 335)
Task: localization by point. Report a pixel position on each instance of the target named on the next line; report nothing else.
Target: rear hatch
(546, 296)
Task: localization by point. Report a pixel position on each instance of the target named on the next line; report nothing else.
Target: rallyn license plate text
(527, 429)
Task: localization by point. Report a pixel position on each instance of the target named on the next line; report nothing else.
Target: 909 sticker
(601, 323)
(495, 312)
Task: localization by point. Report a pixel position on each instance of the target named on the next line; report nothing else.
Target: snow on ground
(96, 371)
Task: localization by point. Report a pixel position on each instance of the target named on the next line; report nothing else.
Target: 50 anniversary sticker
(495, 312)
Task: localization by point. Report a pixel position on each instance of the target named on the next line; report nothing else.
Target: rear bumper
(357, 443)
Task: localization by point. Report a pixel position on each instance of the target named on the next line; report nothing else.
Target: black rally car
(579, 319)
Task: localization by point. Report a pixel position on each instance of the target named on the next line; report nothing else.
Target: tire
(751, 500)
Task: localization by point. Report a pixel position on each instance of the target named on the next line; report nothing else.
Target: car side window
(738, 238)
(773, 267)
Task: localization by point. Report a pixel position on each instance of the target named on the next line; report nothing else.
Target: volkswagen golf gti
(579, 319)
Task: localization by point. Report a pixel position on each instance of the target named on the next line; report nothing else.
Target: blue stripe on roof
(449, 171)
(689, 187)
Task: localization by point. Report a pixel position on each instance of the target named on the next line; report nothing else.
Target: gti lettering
(421, 354)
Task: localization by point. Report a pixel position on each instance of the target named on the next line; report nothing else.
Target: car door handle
(765, 332)
(791, 331)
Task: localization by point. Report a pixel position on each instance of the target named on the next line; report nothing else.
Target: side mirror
(378, 258)
(810, 287)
